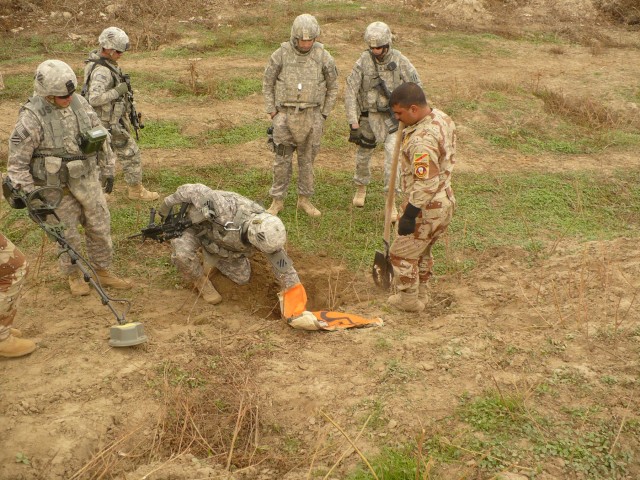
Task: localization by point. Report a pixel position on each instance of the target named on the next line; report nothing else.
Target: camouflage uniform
(366, 105)
(302, 88)
(227, 248)
(13, 270)
(103, 75)
(43, 150)
(427, 160)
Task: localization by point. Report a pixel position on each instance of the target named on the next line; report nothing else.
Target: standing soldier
(13, 270)
(375, 74)
(427, 161)
(300, 88)
(55, 143)
(108, 91)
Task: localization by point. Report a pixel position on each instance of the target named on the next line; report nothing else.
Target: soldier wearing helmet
(300, 88)
(377, 72)
(55, 143)
(108, 93)
(226, 228)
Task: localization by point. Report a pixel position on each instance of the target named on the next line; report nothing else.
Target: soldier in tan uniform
(375, 74)
(13, 270)
(107, 92)
(55, 143)
(427, 160)
(300, 88)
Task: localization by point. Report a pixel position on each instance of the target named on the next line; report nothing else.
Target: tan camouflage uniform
(427, 160)
(13, 270)
(45, 139)
(302, 88)
(113, 111)
(366, 105)
(226, 249)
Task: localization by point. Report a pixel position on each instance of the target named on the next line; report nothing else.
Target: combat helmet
(305, 27)
(54, 78)
(266, 232)
(113, 38)
(377, 34)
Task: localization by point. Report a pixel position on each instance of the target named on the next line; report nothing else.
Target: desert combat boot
(307, 206)
(207, 290)
(77, 285)
(13, 347)
(110, 279)
(361, 194)
(407, 300)
(138, 192)
(277, 204)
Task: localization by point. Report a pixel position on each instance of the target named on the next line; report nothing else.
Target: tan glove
(121, 88)
(306, 321)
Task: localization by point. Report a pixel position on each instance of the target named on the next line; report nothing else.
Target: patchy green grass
(237, 135)
(17, 87)
(236, 88)
(461, 44)
(163, 134)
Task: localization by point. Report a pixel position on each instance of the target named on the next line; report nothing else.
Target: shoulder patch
(420, 157)
(19, 134)
(421, 170)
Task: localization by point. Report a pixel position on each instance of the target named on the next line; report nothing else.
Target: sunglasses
(119, 52)
(64, 97)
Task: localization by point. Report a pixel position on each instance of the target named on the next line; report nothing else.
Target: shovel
(382, 270)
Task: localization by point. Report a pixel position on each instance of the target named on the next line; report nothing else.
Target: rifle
(391, 122)
(134, 117)
(172, 227)
(41, 205)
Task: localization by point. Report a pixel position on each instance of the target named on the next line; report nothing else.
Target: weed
(164, 134)
(22, 458)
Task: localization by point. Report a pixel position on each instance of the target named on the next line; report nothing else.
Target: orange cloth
(293, 301)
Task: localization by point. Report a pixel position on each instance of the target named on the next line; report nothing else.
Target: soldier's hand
(163, 210)
(407, 222)
(107, 184)
(354, 135)
(121, 88)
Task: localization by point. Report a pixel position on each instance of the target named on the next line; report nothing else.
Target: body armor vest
(110, 113)
(371, 98)
(53, 155)
(301, 81)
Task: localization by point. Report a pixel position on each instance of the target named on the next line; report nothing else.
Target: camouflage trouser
(13, 270)
(86, 206)
(185, 256)
(411, 254)
(373, 126)
(128, 152)
(299, 131)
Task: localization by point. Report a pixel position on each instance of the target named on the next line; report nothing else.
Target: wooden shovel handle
(392, 184)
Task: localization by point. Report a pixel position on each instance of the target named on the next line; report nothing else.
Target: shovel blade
(382, 270)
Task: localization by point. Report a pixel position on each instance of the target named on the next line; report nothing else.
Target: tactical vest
(301, 81)
(227, 243)
(112, 112)
(371, 98)
(51, 162)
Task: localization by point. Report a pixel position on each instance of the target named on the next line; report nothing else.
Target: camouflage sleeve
(25, 138)
(354, 83)
(271, 73)
(101, 87)
(423, 154)
(330, 72)
(193, 193)
(408, 72)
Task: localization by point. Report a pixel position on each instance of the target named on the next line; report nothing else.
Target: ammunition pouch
(92, 140)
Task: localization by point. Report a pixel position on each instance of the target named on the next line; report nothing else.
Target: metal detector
(41, 205)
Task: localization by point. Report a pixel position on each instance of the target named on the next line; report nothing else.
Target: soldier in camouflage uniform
(300, 88)
(427, 160)
(377, 72)
(107, 92)
(226, 228)
(45, 149)
(13, 270)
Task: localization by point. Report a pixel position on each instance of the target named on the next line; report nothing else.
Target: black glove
(354, 136)
(407, 222)
(107, 184)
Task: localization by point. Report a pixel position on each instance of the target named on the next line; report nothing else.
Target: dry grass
(581, 110)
